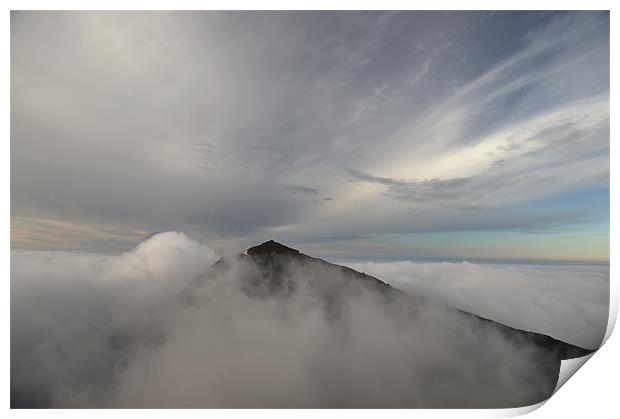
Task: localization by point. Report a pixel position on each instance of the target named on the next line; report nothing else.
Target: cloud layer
(567, 302)
(91, 330)
(242, 125)
(72, 313)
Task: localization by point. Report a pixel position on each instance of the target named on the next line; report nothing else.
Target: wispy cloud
(366, 105)
(46, 233)
(222, 131)
(302, 190)
(539, 156)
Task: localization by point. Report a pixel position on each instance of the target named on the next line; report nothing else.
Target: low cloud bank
(93, 330)
(73, 314)
(567, 302)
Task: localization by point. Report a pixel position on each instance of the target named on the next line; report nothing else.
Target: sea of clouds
(95, 330)
(567, 302)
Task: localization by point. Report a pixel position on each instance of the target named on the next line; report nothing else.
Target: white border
(591, 393)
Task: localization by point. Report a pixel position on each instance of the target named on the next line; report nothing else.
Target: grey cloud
(518, 295)
(520, 173)
(366, 235)
(302, 190)
(74, 314)
(50, 234)
(205, 155)
(108, 332)
(427, 190)
(152, 119)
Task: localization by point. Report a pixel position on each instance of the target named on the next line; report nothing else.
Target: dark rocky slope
(272, 270)
(273, 260)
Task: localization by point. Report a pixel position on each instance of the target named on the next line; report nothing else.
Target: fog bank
(567, 302)
(91, 330)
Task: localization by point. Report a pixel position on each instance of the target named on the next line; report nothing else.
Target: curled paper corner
(568, 368)
(518, 411)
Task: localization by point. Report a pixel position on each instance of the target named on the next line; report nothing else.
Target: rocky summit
(273, 271)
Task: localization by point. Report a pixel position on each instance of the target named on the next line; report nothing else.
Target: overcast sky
(347, 135)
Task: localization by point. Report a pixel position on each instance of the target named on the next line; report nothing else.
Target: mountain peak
(273, 269)
(271, 247)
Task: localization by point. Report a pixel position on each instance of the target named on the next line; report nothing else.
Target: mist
(567, 302)
(73, 315)
(94, 330)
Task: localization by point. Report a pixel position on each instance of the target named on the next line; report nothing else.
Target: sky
(347, 135)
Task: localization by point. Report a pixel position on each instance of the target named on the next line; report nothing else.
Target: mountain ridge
(270, 255)
(355, 310)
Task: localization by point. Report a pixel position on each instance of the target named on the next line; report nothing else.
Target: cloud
(205, 152)
(52, 234)
(534, 156)
(568, 302)
(302, 190)
(93, 330)
(73, 315)
(222, 110)
(366, 105)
